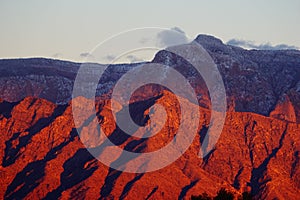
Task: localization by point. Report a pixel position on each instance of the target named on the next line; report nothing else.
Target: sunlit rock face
(43, 157)
(255, 80)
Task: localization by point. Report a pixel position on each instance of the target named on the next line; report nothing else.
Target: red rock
(254, 153)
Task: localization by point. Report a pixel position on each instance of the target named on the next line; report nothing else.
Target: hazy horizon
(68, 30)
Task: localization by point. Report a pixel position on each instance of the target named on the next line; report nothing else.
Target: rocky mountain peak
(43, 157)
(208, 40)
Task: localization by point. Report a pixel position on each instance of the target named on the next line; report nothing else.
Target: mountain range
(258, 150)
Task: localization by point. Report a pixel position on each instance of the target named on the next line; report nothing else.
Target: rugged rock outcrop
(255, 80)
(43, 157)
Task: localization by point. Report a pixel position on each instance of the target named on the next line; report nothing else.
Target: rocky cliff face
(42, 156)
(255, 81)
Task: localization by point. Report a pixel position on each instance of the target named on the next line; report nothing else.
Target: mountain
(258, 150)
(258, 81)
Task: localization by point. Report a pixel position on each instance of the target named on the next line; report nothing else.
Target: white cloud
(110, 58)
(86, 55)
(252, 45)
(57, 55)
(134, 59)
(172, 37)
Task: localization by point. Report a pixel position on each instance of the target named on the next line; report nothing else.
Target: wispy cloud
(172, 37)
(134, 59)
(86, 55)
(109, 58)
(129, 58)
(57, 55)
(265, 46)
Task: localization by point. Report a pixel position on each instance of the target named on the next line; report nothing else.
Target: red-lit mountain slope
(42, 156)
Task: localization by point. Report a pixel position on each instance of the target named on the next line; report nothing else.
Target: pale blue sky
(38, 28)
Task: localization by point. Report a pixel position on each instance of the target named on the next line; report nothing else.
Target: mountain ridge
(51, 130)
(43, 157)
(255, 80)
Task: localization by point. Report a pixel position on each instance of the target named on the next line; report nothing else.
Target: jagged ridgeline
(259, 81)
(256, 156)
